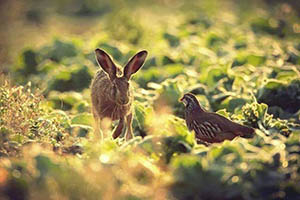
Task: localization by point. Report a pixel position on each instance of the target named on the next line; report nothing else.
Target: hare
(111, 94)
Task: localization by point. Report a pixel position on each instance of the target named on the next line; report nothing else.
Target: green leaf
(214, 75)
(223, 112)
(58, 50)
(140, 112)
(172, 39)
(83, 119)
(255, 60)
(273, 84)
(262, 110)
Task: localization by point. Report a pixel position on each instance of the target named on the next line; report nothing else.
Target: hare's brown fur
(111, 94)
(102, 105)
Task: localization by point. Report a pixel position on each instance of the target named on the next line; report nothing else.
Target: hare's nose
(124, 101)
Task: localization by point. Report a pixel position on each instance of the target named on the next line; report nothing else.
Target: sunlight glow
(104, 158)
(235, 179)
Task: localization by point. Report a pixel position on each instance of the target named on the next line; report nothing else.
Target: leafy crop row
(243, 66)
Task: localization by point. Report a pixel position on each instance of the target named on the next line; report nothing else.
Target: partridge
(211, 127)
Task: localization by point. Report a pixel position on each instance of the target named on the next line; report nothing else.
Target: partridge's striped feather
(214, 127)
(206, 129)
(211, 127)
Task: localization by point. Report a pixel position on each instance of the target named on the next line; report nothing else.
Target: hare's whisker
(113, 112)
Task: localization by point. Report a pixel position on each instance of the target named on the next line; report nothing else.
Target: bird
(210, 127)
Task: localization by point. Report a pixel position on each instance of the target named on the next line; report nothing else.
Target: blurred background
(51, 44)
(32, 23)
(241, 58)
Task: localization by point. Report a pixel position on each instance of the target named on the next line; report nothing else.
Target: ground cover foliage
(242, 63)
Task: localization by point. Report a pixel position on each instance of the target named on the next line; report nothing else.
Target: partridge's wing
(212, 127)
(205, 129)
(227, 125)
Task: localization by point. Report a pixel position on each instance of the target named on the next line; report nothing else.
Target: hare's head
(120, 92)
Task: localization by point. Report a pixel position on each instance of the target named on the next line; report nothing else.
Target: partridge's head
(189, 99)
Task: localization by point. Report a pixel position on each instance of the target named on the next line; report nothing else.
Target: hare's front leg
(128, 134)
(97, 129)
(119, 128)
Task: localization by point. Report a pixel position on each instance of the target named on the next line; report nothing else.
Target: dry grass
(23, 119)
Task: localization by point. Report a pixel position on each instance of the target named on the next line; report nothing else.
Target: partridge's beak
(183, 100)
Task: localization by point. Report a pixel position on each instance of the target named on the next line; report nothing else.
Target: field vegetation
(240, 58)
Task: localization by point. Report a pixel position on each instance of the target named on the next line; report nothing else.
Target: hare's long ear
(134, 64)
(106, 63)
